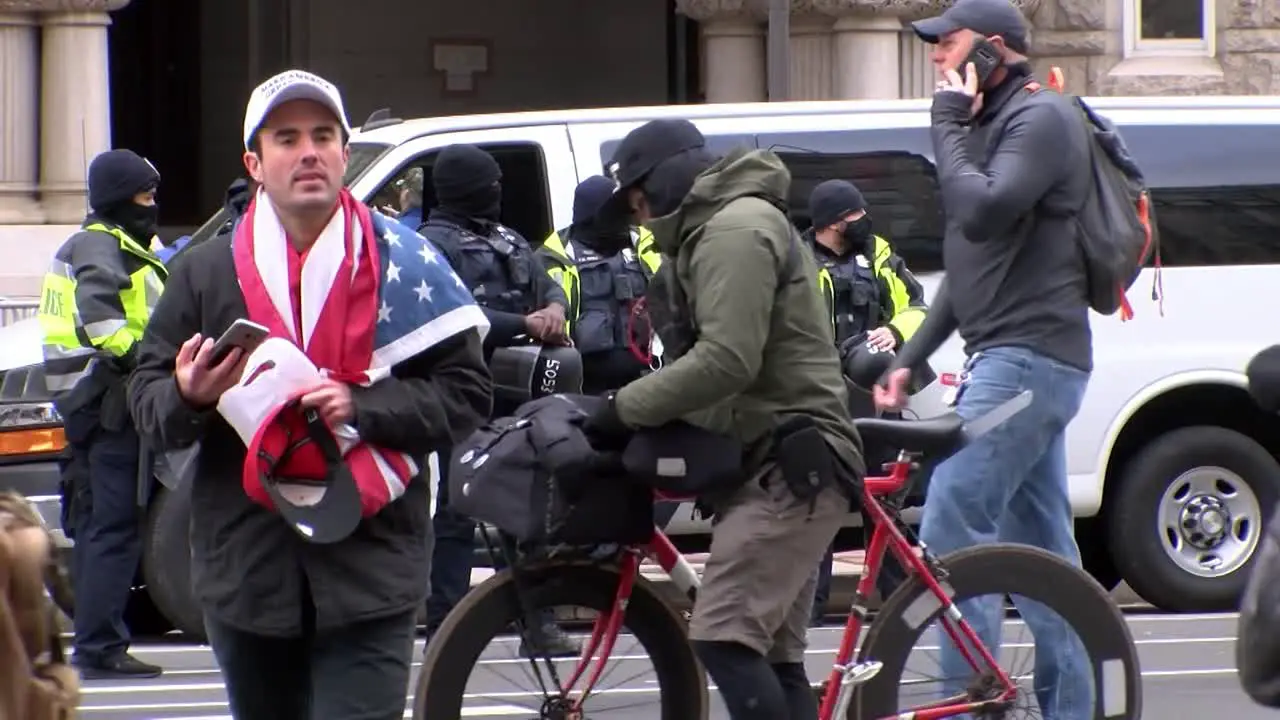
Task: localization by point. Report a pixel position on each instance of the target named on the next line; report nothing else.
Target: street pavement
(1187, 662)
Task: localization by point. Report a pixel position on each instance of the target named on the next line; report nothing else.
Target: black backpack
(1117, 223)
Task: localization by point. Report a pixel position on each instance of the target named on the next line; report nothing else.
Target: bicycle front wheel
(493, 609)
(1020, 572)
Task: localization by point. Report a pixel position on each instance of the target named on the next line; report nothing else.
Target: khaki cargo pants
(758, 583)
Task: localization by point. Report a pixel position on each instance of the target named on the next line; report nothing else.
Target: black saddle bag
(535, 477)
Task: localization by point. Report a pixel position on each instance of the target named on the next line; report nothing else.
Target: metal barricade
(14, 309)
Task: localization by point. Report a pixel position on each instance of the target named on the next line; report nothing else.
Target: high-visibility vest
(96, 301)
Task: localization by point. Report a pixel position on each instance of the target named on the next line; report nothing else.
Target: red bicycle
(864, 682)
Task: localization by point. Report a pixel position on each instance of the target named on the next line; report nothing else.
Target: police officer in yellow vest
(872, 296)
(604, 269)
(96, 301)
(868, 288)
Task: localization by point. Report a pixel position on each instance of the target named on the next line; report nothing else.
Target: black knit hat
(832, 200)
(461, 170)
(115, 176)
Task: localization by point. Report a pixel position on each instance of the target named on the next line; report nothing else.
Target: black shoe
(121, 667)
(550, 641)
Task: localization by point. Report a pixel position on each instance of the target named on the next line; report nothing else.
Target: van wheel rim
(1210, 521)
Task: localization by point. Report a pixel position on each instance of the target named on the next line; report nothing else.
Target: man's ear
(998, 42)
(253, 165)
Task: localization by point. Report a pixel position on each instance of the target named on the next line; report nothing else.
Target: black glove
(605, 429)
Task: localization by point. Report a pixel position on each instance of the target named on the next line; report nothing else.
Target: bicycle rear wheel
(492, 609)
(1012, 570)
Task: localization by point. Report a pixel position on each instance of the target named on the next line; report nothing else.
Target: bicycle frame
(843, 678)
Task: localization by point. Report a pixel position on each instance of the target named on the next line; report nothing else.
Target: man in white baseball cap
(288, 86)
(310, 586)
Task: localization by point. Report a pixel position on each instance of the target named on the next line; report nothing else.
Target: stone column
(811, 58)
(19, 103)
(868, 57)
(733, 49)
(75, 102)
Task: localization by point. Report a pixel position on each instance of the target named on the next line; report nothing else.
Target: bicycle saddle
(941, 435)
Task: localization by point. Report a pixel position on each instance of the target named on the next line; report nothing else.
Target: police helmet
(864, 366)
(528, 372)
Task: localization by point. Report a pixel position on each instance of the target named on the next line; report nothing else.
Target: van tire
(166, 561)
(1248, 477)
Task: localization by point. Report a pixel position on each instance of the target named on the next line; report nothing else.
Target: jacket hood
(740, 173)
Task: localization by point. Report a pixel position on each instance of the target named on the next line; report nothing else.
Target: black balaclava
(607, 234)
(466, 181)
(671, 180)
(115, 177)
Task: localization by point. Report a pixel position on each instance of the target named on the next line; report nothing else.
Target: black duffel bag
(535, 476)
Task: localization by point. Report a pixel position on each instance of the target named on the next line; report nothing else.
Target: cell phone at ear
(985, 58)
(242, 334)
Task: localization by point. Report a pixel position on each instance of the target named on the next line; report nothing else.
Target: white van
(1172, 468)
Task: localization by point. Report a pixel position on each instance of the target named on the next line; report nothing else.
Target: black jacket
(1011, 180)
(249, 569)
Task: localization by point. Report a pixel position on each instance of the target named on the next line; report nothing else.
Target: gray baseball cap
(986, 17)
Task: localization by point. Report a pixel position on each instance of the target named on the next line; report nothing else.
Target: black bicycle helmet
(527, 372)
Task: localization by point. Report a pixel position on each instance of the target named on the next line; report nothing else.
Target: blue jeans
(1010, 485)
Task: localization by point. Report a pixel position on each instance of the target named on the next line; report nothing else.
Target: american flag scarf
(373, 294)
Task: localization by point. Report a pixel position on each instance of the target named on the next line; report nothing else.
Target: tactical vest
(498, 267)
(73, 344)
(610, 286)
(850, 285)
(568, 264)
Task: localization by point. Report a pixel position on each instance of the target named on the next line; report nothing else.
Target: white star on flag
(393, 272)
(427, 255)
(458, 281)
(384, 312)
(391, 237)
(424, 292)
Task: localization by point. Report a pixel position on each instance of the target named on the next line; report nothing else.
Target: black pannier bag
(535, 476)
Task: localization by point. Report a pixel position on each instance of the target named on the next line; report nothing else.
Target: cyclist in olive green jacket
(756, 357)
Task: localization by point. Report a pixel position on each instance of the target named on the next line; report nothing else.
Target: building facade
(169, 79)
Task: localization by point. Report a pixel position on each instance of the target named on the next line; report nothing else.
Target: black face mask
(857, 233)
(140, 221)
(482, 204)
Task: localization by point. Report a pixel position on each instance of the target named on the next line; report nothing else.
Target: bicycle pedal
(860, 673)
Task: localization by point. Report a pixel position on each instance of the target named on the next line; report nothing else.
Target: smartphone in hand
(242, 334)
(985, 58)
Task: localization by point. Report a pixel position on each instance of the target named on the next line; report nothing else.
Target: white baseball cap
(291, 85)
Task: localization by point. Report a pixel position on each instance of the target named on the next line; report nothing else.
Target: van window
(893, 170)
(526, 199)
(1216, 190)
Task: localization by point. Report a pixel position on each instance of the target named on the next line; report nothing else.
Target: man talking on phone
(1013, 166)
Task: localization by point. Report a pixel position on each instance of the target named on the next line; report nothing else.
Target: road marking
(1132, 619)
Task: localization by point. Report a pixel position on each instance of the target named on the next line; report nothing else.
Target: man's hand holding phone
(201, 381)
(983, 60)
